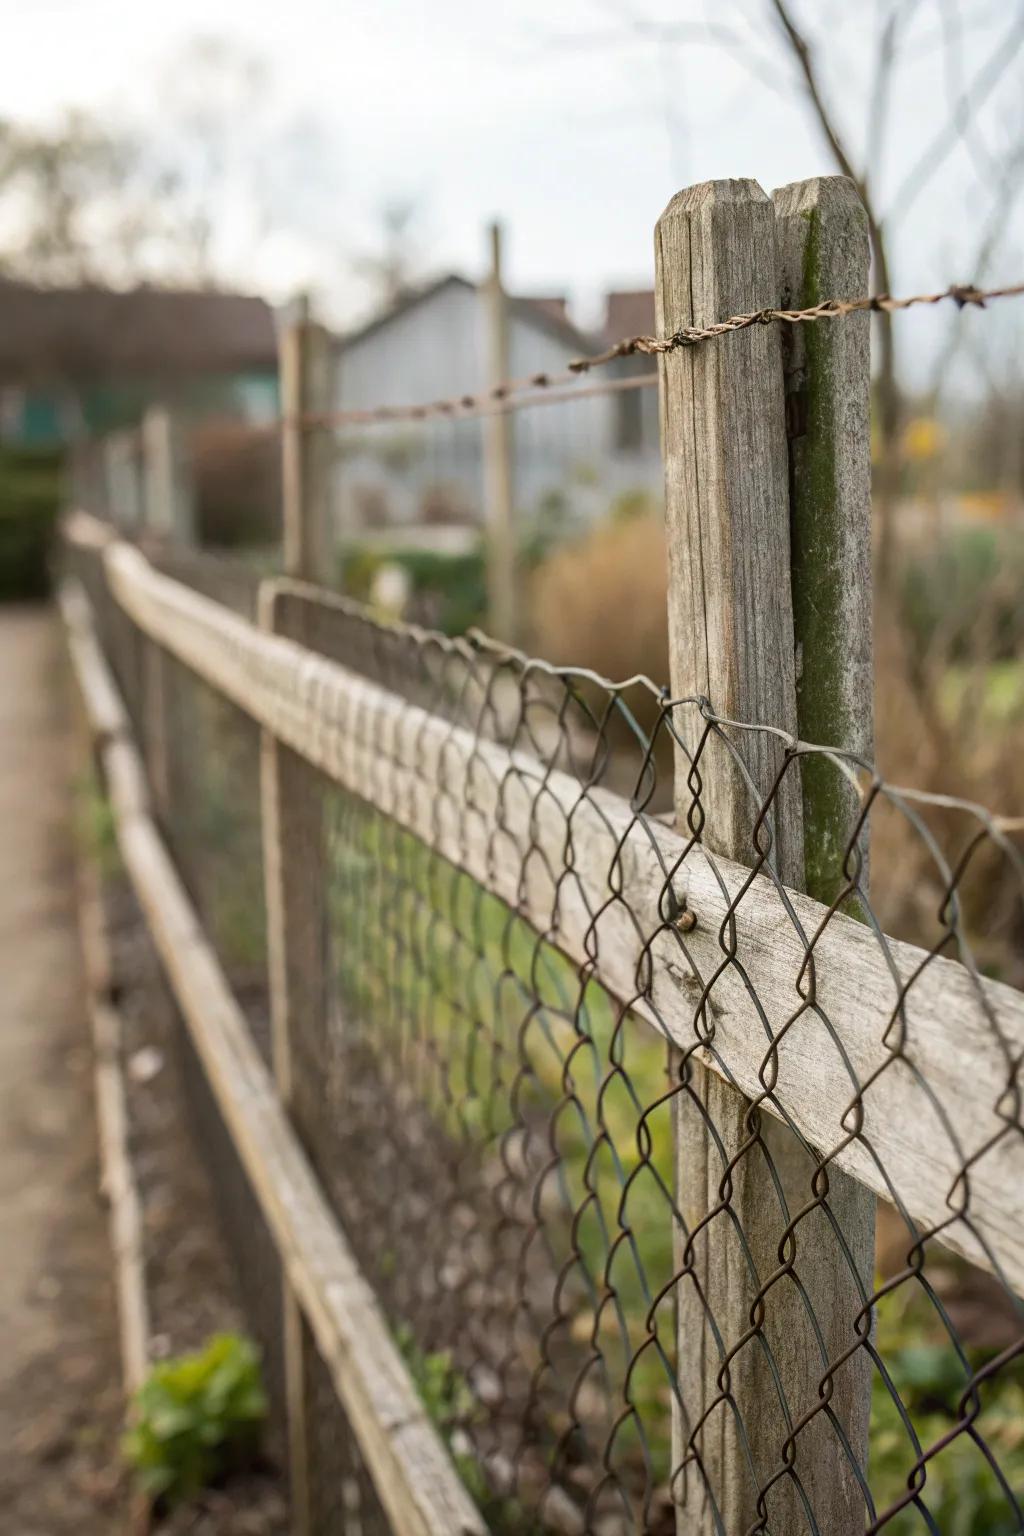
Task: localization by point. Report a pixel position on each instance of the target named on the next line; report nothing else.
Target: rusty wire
(531, 390)
(553, 388)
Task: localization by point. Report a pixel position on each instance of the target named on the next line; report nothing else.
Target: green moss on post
(823, 254)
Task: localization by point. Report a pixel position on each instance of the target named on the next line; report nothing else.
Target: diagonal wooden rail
(414, 1477)
(944, 1105)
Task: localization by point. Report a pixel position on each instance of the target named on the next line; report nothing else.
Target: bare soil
(61, 1398)
(60, 1387)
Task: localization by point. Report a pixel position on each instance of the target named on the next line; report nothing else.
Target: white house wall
(565, 456)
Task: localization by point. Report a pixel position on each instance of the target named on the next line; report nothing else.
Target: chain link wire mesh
(496, 1131)
(497, 1125)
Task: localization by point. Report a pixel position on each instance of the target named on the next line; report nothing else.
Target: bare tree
(777, 46)
(188, 197)
(392, 268)
(61, 200)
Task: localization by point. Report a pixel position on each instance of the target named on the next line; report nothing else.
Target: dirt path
(60, 1405)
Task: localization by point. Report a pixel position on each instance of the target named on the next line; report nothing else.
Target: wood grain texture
(925, 1113)
(822, 243)
(823, 252)
(419, 1488)
(726, 501)
(740, 1179)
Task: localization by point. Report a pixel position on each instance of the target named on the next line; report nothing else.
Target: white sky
(544, 112)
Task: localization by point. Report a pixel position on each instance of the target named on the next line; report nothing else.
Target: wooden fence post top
(727, 504)
(822, 239)
(730, 273)
(831, 193)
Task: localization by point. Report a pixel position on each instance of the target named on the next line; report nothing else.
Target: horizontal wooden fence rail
(941, 1130)
(418, 1486)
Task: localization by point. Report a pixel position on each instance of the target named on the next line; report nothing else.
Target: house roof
(629, 312)
(92, 332)
(546, 313)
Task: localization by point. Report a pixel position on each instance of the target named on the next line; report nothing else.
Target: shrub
(237, 471)
(198, 1418)
(29, 503)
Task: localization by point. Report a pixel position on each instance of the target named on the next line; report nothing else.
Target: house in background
(77, 362)
(630, 312)
(423, 482)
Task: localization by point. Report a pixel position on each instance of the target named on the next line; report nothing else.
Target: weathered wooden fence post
(823, 253)
(168, 495)
(122, 462)
(291, 805)
(750, 1359)
(502, 555)
(168, 514)
(307, 391)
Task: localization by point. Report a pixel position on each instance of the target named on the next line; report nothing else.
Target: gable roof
(547, 314)
(93, 332)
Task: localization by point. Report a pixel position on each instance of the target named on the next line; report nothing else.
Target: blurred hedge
(30, 492)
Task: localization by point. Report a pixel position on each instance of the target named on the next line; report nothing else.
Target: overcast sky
(553, 114)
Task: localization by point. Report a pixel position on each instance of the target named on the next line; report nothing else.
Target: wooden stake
(292, 826)
(749, 1357)
(291, 806)
(168, 514)
(306, 391)
(823, 252)
(169, 499)
(502, 573)
(823, 247)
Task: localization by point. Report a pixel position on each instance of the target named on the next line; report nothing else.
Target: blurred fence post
(122, 464)
(169, 498)
(502, 554)
(307, 390)
(750, 1357)
(166, 512)
(292, 813)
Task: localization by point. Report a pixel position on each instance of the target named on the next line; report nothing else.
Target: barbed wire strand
(535, 387)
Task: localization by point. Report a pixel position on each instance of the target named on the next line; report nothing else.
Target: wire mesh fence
(497, 1128)
(691, 1202)
(501, 1124)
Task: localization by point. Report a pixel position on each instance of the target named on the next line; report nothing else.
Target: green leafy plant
(198, 1418)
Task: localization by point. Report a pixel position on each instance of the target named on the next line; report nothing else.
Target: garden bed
(190, 1288)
